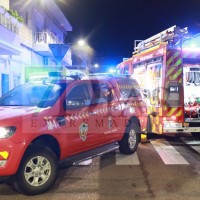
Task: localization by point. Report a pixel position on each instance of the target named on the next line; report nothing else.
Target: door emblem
(83, 130)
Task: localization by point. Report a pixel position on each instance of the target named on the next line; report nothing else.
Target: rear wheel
(130, 140)
(37, 172)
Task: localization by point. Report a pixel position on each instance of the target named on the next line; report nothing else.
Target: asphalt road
(163, 169)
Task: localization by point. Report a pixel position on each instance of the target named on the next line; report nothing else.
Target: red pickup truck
(42, 124)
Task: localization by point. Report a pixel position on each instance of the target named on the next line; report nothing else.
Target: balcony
(42, 41)
(9, 37)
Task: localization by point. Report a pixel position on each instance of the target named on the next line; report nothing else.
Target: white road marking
(195, 144)
(168, 154)
(127, 159)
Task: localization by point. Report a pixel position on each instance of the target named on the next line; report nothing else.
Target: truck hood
(7, 112)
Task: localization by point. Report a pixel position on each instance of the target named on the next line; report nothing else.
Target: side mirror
(71, 104)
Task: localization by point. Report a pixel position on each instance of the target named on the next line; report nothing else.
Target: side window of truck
(126, 69)
(78, 97)
(102, 93)
(128, 93)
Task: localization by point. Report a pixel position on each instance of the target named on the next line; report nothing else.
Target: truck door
(107, 110)
(79, 130)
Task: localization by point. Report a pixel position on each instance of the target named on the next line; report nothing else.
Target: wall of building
(5, 4)
(37, 18)
(12, 67)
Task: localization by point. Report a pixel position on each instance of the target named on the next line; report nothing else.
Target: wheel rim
(132, 140)
(37, 171)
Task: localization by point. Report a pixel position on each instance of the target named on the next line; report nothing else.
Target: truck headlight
(6, 132)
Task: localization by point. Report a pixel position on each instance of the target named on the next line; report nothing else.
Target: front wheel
(37, 172)
(130, 140)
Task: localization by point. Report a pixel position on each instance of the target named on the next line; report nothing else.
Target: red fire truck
(169, 75)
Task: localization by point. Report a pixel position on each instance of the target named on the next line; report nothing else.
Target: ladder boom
(163, 36)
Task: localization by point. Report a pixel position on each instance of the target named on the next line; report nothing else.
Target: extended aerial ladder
(172, 35)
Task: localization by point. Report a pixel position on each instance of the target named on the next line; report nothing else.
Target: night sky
(111, 26)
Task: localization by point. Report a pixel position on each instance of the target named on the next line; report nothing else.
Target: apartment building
(25, 38)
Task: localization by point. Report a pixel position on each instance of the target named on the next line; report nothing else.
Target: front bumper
(11, 161)
(182, 130)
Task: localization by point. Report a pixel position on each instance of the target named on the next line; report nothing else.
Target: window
(33, 95)
(126, 69)
(128, 93)
(80, 92)
(129, 88)
(101, 93)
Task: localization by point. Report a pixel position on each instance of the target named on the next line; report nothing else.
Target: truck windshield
(40, 95)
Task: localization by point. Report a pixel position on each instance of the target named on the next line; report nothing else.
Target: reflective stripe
(172, 57)
(170, 71)
(179, 113)
(171, 112)
(178, 73)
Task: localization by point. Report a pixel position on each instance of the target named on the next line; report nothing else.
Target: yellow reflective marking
(172, 58)
(170, 70)
(157, 120)
(177, 74)
(4, 155)
(176, 54)
(179, 113)
(160, 128)
(169, 61)
(171, 112)
(178, 62)
(180, 81)
(143, 137)
(165, 108)
(160, 111)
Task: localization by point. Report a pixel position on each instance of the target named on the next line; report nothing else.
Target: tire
(129, 143)
(40, 165)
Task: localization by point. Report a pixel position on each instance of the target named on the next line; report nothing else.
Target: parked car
(42, 124)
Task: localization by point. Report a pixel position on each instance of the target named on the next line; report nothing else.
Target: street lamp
(83, 52)
(96, 65)
(81, 42)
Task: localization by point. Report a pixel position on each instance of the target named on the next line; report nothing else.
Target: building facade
(27, 29)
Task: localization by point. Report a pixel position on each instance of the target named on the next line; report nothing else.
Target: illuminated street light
(96, 65)
(81, 42)
(83, 53)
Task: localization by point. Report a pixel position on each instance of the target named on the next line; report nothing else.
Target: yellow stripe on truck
(171, 112)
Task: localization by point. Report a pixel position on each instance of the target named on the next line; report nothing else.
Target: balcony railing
(46, 37)
(42, 41)
(9, 23)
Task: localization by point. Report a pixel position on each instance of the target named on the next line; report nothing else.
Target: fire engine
(169, 75)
